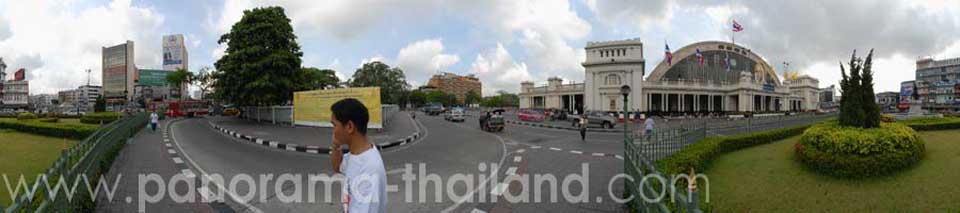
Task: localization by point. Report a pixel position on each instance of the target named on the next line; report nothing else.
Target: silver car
(455, 115)
(602, 119)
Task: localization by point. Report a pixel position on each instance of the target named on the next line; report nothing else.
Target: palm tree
(180, 78)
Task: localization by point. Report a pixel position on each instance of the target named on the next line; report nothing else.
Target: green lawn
(62, 120)
(26, 154)
(767, 178)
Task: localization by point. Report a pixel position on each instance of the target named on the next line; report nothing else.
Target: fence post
(273, 114)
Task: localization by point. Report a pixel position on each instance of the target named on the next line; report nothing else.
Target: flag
(668, 55)
(699, 57)
(737, 27)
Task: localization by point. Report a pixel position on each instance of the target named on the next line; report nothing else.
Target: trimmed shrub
(853, 152)
(26, 116)
(701, 154)
(72, 131)
(886, 118)
(49, 120)
(100, 117)
(930, 124)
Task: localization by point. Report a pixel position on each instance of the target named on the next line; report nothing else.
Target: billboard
(173, 51)
(149, 77)
(906, 91)
(312, 108)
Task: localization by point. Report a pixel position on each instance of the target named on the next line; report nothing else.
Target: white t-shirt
(367, 181)
(649, 123)
(154, 117)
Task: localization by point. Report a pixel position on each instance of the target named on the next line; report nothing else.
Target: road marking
(555, 149)
(534, 147)
(598, 154)
(166, 140)
(517, 159)
(484, 183)
(477, 211)
(171, 151)
(499, 189)
(576, 152)
(618, 157)
(232, 195)
(168, 145)
(511, 171)
(177, 160)
(521, 150)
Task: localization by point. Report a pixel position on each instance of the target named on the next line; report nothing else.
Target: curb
(560, 127)
(309, 149)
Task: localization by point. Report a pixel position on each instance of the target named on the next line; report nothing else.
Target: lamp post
(625, 91)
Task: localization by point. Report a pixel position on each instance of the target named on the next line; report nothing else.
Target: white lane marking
(511, 171)
(534, 147)
(232, 195)
(485, 183)
(555, 149)
(477, 211)
(521, 150)
(177, 160)
(314, 151)
(273, 144)
(171, 151)
(499, 189)
(598, 154)
(576, 152)
(166, 140)
(168, 144)
(517, 159)
(618, 157)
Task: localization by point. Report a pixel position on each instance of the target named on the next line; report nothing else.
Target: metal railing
(641, 151)
(87, 161)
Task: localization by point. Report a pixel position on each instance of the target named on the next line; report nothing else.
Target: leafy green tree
(509, 99)
(262, 60)
(418, 98)
(319, 78)
(392, 81)
(179, 79)
(100, 105)
(438, 96)
(203, 81)
(472, 97)
(858, 108)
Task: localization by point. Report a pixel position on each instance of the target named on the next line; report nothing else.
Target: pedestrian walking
(583, 127)
(154, 119)
(365, 179)
(648, 129)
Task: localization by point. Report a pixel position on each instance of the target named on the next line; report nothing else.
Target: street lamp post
(625, 91)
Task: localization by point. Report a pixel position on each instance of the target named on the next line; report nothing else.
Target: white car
(455, 115)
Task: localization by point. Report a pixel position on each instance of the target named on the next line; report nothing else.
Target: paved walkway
(399, 127)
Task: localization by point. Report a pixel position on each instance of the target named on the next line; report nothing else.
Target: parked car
(455, 115)
(433, 109)
(530, 115)
(602, 119)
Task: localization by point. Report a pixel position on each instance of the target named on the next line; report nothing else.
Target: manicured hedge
(855, 152)
(72, 131)
(26, 116)
(49, 120)
(100, 117)
(930, 124)
(701, 154)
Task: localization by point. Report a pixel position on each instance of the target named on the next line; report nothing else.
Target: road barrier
(90, 158)
(284, 114)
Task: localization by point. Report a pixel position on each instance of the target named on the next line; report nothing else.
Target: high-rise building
(457, 85)
(936, 84)
(175, 55)
(119, 73)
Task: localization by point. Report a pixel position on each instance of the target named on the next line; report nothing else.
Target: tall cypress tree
(858, 107)
(869, 102)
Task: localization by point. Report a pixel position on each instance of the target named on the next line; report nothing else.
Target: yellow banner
(312, 108)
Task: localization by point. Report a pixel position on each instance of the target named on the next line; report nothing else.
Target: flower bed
(855, 152)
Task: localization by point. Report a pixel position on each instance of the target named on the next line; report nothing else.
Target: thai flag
(737, 27)
(699, 57)
(668, 55)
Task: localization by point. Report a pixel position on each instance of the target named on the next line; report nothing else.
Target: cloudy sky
(502, 41)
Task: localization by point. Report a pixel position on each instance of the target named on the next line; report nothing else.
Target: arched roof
(689, 51)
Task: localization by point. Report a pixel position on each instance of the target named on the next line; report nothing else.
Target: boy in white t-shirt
(365, 183)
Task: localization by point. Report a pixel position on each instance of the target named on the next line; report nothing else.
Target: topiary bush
(931, 123)
(852, 152)
(100, 117)
(26, 116)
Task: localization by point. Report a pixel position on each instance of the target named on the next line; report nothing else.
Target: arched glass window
(613, 79)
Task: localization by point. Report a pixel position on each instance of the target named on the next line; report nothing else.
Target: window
(613, 79)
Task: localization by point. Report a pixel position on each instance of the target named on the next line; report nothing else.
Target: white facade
(16, 93)
(610, 65)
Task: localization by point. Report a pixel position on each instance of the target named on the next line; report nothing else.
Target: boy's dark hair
(350, 109)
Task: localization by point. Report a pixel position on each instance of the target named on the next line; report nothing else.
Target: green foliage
(180, 79)
(319, 78)
(858, 107)
(49, 120)
(61, 130)
(262, 60)
(203, 81)
(502, 99)
(701, 154)
(441, 97)
(856, 152)
(100, 105)
(929, 124)
(472, 97)
(417, 98)
(391, 81)
(100, 117)
(26, 116)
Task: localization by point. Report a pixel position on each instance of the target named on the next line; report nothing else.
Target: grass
(26, 154)
(767, 178)
(62, 121)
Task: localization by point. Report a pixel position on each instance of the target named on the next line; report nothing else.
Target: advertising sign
(906, 91)
(173, 50)
(149, 77)
(312, 108)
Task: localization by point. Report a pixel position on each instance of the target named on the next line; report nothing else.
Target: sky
(503, 42)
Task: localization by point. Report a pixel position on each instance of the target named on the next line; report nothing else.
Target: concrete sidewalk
(400, 127)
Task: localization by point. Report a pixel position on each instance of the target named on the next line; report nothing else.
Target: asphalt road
(452, 151)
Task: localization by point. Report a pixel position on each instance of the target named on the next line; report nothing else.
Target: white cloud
(4, 29)
(497, 70)
(632, 14)
(67, 41)
(376, 57)
(423, 58)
